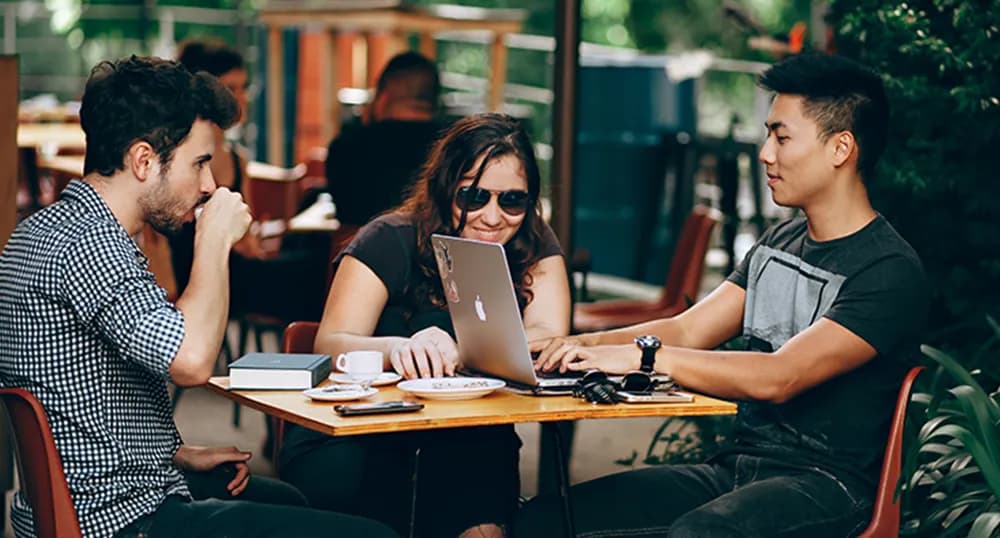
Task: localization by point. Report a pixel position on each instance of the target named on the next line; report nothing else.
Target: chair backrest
(688, 263)
(885, 515)
(42, 479)
(299, 337)
(272, 192)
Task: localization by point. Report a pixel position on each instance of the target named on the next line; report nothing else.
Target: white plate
(339, 393)
(385, 378)
(451, 388)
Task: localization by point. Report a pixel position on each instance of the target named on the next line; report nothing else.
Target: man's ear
(140, 159)
(844, 147)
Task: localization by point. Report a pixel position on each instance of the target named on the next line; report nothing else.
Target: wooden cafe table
(500, 407)
(62, 135)
(32, 138)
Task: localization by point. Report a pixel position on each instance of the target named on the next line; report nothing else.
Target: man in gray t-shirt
(829, 307)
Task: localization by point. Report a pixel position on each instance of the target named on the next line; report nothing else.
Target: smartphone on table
(674, 396)
(375, 408)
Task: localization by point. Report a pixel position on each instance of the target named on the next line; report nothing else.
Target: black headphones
(595, 387)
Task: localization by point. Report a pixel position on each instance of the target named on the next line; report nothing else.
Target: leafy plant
(683, 440)
(954, 467)
(937, 182)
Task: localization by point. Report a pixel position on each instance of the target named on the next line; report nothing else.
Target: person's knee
(272, 491)
(311, 522)
(702, 524)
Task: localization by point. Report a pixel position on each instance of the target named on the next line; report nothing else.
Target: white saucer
(451, 388)
(339, 393)
(385, 378)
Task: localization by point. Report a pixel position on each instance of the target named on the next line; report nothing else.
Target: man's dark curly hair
(840, 95)
(147, 99)
(491, 136)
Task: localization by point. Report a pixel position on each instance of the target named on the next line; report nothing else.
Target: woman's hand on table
(207, 458)
(430, 352)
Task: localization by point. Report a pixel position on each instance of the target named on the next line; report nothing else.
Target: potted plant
(953, 468)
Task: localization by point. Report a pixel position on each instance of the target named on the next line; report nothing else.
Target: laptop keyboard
(556, 374)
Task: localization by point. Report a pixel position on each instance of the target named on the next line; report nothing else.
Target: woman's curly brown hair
(432, 197)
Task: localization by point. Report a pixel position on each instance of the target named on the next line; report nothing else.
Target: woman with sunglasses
(481, 181)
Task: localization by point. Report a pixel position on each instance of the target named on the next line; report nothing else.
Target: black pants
(467, 476)
(737, 496)
(267, 508)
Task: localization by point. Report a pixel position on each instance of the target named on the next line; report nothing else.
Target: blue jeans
(736, 496)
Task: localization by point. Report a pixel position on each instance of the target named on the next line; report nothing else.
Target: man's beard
(164, 224)
(164, 211)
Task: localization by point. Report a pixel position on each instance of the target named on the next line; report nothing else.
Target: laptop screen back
(483, 308)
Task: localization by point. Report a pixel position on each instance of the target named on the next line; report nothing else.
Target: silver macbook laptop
(484, 311)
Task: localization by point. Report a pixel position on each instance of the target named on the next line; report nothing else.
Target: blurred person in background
(228, 166)
(369, 168)
(288, 284)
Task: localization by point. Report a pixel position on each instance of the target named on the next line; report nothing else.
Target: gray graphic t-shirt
(870, 282)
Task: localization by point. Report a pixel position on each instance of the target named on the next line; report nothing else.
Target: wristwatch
(648, 344)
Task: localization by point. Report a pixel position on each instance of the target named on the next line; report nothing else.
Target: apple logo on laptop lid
(480, 311)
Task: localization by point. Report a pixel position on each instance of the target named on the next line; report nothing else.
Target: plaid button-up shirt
(85, 328)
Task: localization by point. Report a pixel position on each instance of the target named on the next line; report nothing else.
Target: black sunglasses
(511, 202)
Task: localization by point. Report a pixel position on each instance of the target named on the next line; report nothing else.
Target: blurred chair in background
(315, 178)
(680, 290)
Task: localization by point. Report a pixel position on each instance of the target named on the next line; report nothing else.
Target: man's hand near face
(223, 221)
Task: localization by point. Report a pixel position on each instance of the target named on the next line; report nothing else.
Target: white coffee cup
(360, 365)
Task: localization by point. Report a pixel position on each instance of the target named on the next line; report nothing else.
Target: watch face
(647, 340)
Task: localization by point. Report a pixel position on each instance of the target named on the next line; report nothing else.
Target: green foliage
(953, 468)
(937, 182)
(684, 440)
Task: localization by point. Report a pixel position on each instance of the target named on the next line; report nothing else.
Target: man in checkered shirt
(85, 328)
